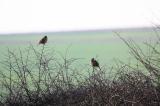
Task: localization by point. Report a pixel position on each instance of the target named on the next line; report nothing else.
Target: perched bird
(94, 63)
(43, 40)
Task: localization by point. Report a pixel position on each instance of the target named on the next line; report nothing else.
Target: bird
(43, 40)
(94, 63)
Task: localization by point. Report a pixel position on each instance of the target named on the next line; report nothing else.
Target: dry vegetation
(37, 78)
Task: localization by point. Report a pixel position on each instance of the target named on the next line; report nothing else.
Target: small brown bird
(43, 40)
(94, 63)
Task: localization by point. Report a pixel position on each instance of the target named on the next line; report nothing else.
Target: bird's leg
(99, 68)
(93, 70)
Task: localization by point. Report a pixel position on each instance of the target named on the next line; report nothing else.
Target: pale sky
(20, 16)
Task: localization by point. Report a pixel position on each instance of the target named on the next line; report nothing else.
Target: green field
(103, 45)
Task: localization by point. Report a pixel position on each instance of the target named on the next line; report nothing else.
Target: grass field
(103, 45)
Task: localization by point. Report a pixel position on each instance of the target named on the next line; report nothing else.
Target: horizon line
(81, 30)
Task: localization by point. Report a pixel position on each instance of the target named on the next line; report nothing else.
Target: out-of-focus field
(103, 45)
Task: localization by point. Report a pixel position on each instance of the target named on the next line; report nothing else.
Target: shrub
(37, 77)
